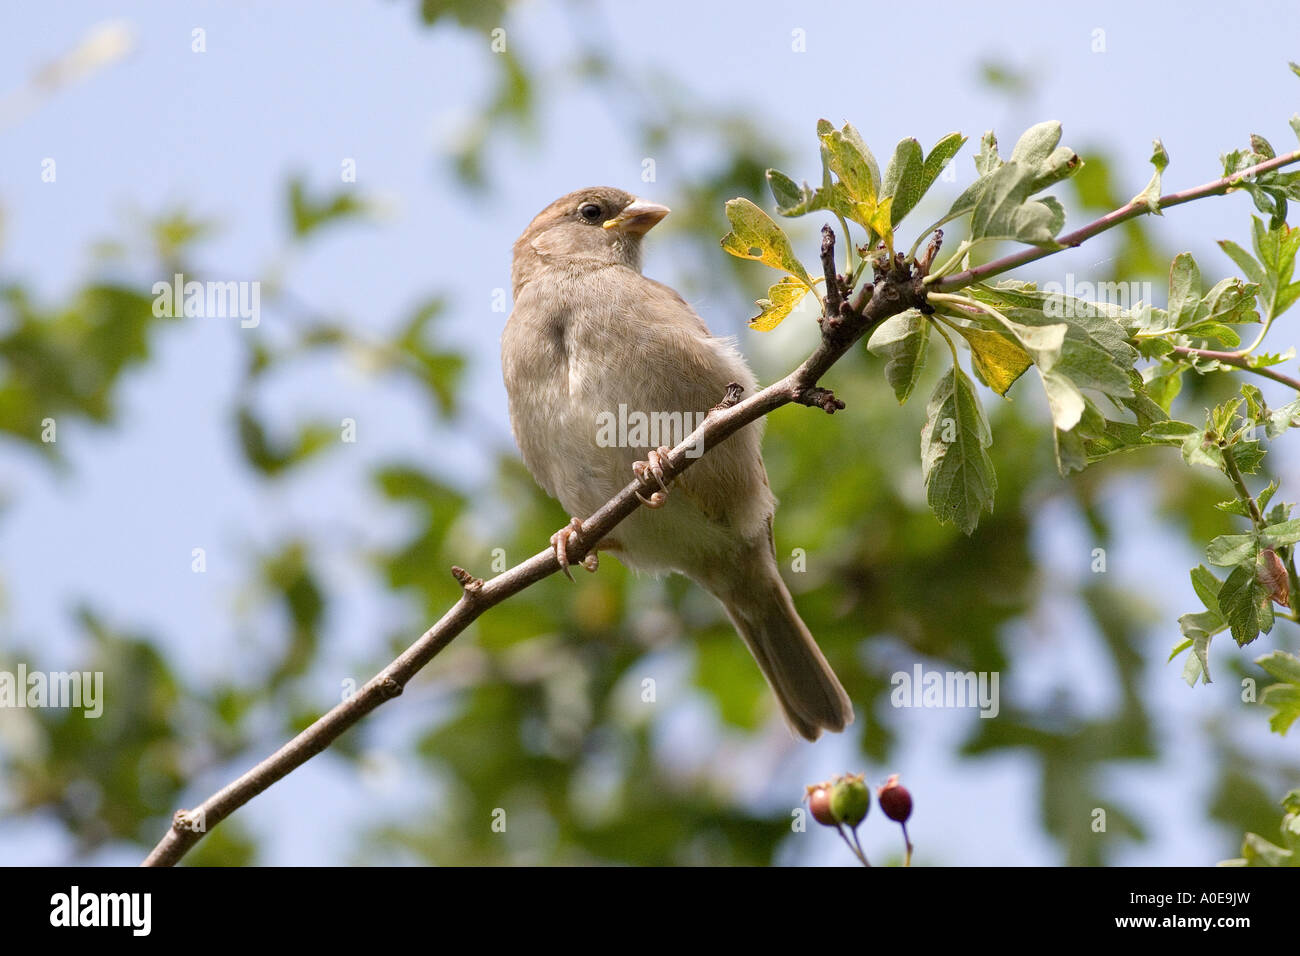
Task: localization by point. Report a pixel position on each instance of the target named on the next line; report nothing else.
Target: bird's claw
(655, 467)
(560, 542)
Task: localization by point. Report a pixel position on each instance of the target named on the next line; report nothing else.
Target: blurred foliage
(543, 708)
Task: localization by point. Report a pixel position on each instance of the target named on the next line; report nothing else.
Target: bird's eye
(589, 211)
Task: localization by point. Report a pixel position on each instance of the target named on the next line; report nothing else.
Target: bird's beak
(638, 218)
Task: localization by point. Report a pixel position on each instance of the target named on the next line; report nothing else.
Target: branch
(1234, 473)
(1131, 210)
(897, 288)
(1237, 360)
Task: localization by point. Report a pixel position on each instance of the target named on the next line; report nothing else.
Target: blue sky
(295, 87)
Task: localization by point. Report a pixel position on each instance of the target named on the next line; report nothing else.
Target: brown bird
(592, 340)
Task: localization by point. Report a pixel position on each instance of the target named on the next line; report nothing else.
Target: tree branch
(896, 289)
(1131, 210)
(1237, 361)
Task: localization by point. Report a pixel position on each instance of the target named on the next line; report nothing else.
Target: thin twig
(1238, 361)
(1234, 473)
(831, 304)
(1128, 211)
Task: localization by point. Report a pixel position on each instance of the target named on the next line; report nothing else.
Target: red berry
(819, 805)
(894, 799)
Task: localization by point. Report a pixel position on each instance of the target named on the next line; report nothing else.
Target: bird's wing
(679, 308)
(696, 367)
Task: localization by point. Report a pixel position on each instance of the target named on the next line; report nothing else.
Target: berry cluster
(844, 801)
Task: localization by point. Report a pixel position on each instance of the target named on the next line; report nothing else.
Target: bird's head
(599, 225)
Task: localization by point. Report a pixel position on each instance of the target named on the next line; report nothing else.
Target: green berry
(850, 799)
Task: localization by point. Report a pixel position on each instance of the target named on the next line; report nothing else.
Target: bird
(589, 337)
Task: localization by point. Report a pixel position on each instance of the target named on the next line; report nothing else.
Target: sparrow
(589, 333)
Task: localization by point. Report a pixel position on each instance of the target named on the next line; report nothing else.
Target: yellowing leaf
(755, 236)
(850, 159)
(998, 359)
(781, 300)
(879, 221)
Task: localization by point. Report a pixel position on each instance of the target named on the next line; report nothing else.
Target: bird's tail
(760, 606)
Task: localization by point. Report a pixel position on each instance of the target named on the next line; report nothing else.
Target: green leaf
(1206, 586)
(308, 213)
(1256, 851)
(959, 478)
(1037, 150)
(781, 300)
(1151, 195)
(940, 155)
(1222, 415)
(902, 341)
(1095, 353)
(1276, 250)
(1004, 209)
(1278, 535)
(1265, 496)
(1102, 437)
(1280, 419)
(903, 179)
(1171, 432)
(1201, 449)
(755, 236)
(1198, 629)
(1228, 550)
(1284, 696)
(273, 457)
(1284, 699)
(987, 159)
(1254, 401)
(1281, 665)
(1245, 605)
(1184, 290)
(791, 198)
(1064, 399)
(1269, 190)
(1251, 269)
(908, 177)
(1165, 383)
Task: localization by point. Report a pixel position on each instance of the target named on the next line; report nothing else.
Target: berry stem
(855, 850)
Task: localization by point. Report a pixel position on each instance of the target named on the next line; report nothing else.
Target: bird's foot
(655, 467)
(560, 542)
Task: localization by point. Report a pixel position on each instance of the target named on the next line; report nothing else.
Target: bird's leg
(655, 466)
(560, 542)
